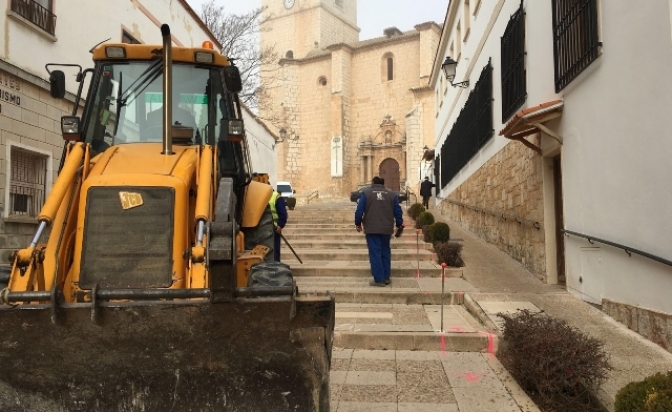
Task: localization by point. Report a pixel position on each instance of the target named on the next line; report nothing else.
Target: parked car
(354, 196)
(285, 189)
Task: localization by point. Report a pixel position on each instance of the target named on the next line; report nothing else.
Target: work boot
(379, 284)
(387, 281)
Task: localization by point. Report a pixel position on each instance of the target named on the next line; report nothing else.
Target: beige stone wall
(508, 184)
(653, 325)
(33, 124)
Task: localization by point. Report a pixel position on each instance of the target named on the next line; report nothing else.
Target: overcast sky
(373, 15)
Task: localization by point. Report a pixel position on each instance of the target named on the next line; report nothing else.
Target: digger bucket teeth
(254, 354)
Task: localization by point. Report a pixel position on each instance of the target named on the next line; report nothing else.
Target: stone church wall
(509, 184)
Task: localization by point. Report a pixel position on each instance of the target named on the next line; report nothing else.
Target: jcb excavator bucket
(252, 354)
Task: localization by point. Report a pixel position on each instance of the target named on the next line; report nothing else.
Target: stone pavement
(391, 351)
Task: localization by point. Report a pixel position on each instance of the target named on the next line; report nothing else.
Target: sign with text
(9, 88)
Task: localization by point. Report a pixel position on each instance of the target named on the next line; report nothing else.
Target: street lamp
(449, 67)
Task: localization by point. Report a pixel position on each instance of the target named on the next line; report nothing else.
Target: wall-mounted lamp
(283, 133)
(424, 149)
(449, 67)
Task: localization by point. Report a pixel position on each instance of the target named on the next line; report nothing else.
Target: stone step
(411, 326)
(400, 290)
(346, 243)
(349, 230)
(361, 269)
(362, 254)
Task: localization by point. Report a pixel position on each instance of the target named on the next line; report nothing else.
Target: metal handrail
(504, 216)
(313, 195)
(627, 249)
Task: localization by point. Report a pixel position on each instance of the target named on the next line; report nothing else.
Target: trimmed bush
(424, 218)
(559, 366)
(439, 232)
(427, 236)
(653, 394)
(449, 253)
(415, 210)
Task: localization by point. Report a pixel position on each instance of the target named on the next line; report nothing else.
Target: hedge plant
(449, 253)
(653, 394)
(415, 210)
(439, 233)
(424, 218)
(426, 234)
(559, 366)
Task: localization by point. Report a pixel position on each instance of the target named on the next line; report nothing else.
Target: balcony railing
(36, 14)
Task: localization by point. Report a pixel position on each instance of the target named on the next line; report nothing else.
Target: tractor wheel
(270, 274)
(262, 234)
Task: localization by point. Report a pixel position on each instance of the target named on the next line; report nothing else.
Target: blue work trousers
(380, 256)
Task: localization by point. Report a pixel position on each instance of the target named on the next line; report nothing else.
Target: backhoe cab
(154, 289)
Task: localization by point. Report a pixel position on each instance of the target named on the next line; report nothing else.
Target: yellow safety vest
(271, 203)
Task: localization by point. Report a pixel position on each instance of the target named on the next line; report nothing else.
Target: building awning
(530, 121)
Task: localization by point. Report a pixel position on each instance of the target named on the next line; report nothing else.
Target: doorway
(559, 218)
(389, 170)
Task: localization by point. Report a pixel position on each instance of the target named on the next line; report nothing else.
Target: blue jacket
(380, 211)
(281, 208)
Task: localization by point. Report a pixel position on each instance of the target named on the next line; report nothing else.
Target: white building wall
(615, 128)
(81, 25)
(261, 143)
(616, 160)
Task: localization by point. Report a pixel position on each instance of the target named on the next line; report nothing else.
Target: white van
(285, 189)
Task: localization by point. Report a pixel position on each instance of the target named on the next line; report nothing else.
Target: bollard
(443, 278)
(417, 252)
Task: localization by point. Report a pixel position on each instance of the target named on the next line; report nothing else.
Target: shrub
(415, 210)
(424, 218)
(427, 236)
(653, 394)
(449, 253)
(559, 366)
(439, 232)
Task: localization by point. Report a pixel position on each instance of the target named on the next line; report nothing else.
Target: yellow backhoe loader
(149, 284)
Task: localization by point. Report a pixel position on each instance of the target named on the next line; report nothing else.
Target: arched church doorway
(389, 170)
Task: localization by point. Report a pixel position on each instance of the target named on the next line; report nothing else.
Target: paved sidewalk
(499, 278)
(416, 381)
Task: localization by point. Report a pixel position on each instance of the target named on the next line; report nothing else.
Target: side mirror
(232, 79)
(57, 84)
(70, 128)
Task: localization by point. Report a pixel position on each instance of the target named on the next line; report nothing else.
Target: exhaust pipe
(167, 91)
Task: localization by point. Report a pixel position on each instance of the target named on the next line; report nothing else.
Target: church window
(289, 54)
(390, 68)
(322, 81)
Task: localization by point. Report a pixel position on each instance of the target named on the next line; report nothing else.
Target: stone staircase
(405, 315)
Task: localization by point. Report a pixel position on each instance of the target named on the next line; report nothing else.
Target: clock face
(289, 4)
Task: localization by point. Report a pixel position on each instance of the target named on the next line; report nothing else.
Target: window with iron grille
(575, 39)
(514, 83)
(27, 185)
(38, 12)
(471, 130)
(437, 171)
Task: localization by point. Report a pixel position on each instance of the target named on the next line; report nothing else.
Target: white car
(285, 189)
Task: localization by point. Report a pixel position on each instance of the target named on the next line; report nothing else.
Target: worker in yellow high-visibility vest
(279, 210)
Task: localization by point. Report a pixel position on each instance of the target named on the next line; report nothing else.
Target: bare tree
(239, 36)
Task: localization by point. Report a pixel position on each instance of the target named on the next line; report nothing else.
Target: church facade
(346, 110)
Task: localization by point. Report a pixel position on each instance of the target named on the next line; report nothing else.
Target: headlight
(70, 124)
(115, 52)
(203, 57)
